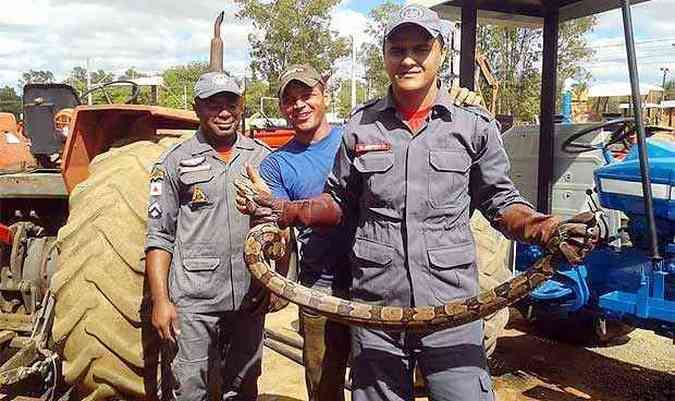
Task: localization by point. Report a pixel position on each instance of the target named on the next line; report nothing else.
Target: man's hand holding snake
(573, 238)
(255, 199)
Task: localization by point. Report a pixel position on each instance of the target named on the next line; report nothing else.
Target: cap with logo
(420, 16)
(299, 72)
(212, 83)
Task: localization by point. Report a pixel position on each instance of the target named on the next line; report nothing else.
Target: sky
(153, 35)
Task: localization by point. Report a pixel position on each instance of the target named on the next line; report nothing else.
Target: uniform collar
(203, 146)
(442, 101)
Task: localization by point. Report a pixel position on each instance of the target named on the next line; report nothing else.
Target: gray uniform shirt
(192, 215)
(413, 196)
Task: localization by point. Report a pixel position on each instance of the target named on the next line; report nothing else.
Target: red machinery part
(5, 235)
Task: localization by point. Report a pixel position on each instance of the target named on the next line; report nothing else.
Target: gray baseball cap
(417, 15)
(212, 83)
(304, 73)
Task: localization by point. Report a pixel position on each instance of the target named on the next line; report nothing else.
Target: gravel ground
(529, 367)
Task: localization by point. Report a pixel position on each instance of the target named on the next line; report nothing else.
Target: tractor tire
(582, 328)
(107, 344)
(494, 256)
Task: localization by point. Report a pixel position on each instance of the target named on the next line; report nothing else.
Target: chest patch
(362, 148)
(198, 197)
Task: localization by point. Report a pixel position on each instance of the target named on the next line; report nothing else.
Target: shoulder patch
(363, 106)
(261, 143)
(167, 153)
(480, 111)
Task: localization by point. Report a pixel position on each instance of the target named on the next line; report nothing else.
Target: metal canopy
(523, 12)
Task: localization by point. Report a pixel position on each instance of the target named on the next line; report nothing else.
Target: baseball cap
(418, 15)
(211, 83)
(304, 73)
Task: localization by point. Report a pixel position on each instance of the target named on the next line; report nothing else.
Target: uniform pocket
(200, 282)
(447, 177)
(380, 187)
(370, 264)
(374, 162)
(195, 177)
(443, 265)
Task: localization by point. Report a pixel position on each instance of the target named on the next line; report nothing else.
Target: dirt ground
(528, 367)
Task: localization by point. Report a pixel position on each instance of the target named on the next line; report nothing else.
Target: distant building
(614, 100)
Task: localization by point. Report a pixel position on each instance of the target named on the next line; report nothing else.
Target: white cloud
(25, 13)
(654, 36)
(58, 35)
(61, 34)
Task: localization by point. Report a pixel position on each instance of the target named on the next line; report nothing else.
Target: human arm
(262, 206)
(494, 194)
(164, 314)
(159, 246)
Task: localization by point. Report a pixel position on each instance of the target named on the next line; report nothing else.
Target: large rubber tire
(582, 328)
(108, 350)
(494, 268)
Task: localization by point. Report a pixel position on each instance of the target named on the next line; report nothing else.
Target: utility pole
(89, 98)
(665, 71)
(353, 73)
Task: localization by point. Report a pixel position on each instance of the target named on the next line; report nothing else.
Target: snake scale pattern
(264, 242)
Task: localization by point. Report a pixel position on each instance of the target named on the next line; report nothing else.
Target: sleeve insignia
(157, 174)
(155, 188)
(154, 210)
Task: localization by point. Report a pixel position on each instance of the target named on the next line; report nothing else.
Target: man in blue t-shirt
(297, 171)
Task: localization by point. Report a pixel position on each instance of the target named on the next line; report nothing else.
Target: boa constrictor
(264, 242)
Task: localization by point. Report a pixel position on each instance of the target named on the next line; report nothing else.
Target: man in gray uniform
(202, 295)
(411, 169)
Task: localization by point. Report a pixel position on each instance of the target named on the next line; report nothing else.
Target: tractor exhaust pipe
(216, 56)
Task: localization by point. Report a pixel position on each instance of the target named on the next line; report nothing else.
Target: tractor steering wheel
(135, 91)
(621, 133)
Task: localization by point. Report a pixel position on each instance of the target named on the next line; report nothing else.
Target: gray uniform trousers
(412, 195)
(383, 363)
(218, 351)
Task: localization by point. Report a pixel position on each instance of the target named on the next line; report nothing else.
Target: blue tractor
(623, 283)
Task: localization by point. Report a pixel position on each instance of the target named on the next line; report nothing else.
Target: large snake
(264, 242)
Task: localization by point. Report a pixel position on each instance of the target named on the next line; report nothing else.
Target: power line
(637, 42)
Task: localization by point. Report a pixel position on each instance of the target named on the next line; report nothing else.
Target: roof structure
(667, 104)
(616, 89)
(522, 12)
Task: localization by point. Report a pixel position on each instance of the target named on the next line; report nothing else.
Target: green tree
(10, 102)
(371, 51)
(77, 78)
(131, 73)
(179, 81)
(343, 105)
(290, 32)
(255, 90)
(36, 77)
(514, 55)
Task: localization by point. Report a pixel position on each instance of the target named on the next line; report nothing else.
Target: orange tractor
(73, 196)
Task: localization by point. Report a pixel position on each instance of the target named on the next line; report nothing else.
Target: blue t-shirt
(299, 171)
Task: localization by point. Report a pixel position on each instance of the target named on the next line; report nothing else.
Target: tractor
(563, 169)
